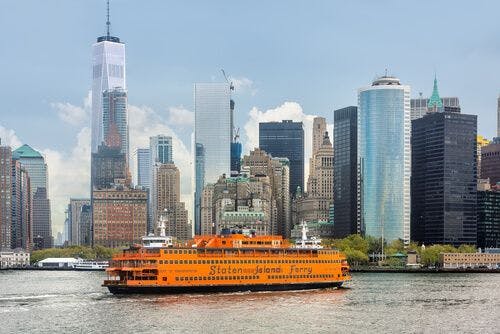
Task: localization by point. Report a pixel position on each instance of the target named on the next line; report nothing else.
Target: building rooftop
(26, 151)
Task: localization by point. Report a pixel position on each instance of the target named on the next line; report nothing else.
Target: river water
(74, 302)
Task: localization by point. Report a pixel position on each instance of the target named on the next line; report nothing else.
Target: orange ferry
(225, 263)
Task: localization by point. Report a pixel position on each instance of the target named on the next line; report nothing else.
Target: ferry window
(175, 251)
(164, 279)
(177, 278)
(176, 262)
(190, 261)
(181, 278)
(171, 261)
(195, 278)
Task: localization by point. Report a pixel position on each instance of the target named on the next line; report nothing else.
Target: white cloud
(243, 85)
(69, 176)
(180, 116)
(144, 122)
(9, 138)
(287, 111)
(72, 114)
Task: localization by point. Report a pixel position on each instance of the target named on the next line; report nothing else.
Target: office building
(481, 142)
(108, 73)
(166, 201)
(384, 155)
(119, 216)
(345, 172)
(41, 224)
(260, 164)
(160, 148)
(490, 162)
(285, 140)
(115, 120)
(316, 204)
(74, 215)
(212, 137)
(5, 197)
(85, 223)
(237, 203)
(143, 167)
(444, 179)
(108, 165)
(488, 218)
(421, 106)
(22, 236)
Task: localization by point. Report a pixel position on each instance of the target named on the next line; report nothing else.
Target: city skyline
(57, 123)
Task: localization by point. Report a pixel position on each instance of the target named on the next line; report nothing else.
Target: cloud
(145, 122)
(9, 138)
(180, 116)
(69, 176)
(287, 111)
(72, 114)
(243, 85)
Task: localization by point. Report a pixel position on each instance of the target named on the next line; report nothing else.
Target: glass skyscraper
(345, 185)
(115, 120)
(160, 148)
(444, 178)
(143, 167)
(213, 134)
(285, 140)
(34, 163)
(108, 72)
(384, 157)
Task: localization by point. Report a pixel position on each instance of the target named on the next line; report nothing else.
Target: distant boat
(91, 265)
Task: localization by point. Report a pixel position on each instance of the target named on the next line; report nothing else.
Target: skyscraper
(421, 106)
(315, 205)
(490, 162)
(160, 148)
(34, 163)
(5, 197)
(212, 137)
(345, 172)
(108, 165)
(488, 218)
(481, 142)
(285, 140)
(166, 201)
(75, 212)
(22, 236)
(444, 178)
(108, 72)
(115, 120)
(384, 155)
(319, 129)
(119, 216)
(143, 167)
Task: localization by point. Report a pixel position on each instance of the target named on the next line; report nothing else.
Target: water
(74, 302)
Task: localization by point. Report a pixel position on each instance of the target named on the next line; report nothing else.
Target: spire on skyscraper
(107, 21)
(435, 101)
(108, 36)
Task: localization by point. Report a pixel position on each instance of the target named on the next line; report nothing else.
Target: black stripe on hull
(117, 289)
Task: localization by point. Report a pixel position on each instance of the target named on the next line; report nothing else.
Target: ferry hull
(153, 289)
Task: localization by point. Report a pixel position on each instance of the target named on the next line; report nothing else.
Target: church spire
(435, 101)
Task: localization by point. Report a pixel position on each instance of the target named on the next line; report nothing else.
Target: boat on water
(225, 263)
(91, 265)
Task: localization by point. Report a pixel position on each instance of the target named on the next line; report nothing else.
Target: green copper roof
(26, 151)
(435, 100)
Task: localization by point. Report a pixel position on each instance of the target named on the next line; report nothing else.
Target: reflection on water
(62, 302)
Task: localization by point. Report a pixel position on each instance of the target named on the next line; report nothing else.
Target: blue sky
(314, 53)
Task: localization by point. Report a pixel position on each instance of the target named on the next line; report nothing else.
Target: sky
(287, 59)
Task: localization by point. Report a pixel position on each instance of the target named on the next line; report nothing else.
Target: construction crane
(231, 86)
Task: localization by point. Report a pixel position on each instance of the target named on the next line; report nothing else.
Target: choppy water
(74, 302)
